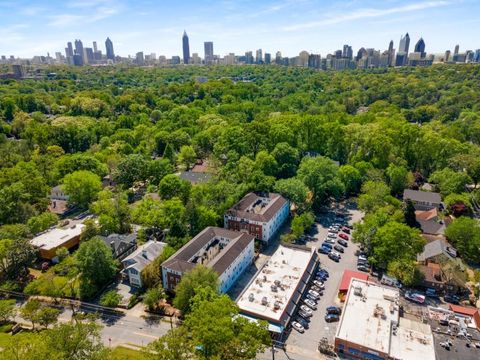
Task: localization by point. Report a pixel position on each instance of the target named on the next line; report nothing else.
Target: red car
(343, 236)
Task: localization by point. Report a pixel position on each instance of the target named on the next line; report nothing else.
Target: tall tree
(82, 187)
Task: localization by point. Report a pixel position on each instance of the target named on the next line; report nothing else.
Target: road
(304, 346)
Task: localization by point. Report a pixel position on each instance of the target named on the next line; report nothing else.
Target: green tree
(175, 345)
(113, 213)
(375, 194)
(187, 156)
(172, 186)
(320, 175)
(158, 169)
(42, 222)
(459, 204)
(302, 222)
(409, 212)
(111, 299)
(406, 271)
(287, 158)
(131, 169)
(200, 277)
(82, 187)
(95, 263)
(30, 311)
(450, 181)
(351, 178)
(47, 316)
(294, 190)
(464, 234)
(7, 310)
(15, 258)
(152, 297)
(397, 178)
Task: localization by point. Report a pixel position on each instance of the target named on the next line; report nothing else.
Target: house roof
(423, 196)
(120, 242)
(436, 248)
(464, 310)
(347, 277)
(53, 238)
(431, 227)
(426, 215)
(431, 272)
(144, 255)
(181, 261)
(195, 177)
(257, 207)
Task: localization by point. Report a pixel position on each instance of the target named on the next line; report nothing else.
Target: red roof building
(469, 311)
(347, 277)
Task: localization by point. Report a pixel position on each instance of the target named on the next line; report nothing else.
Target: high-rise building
(457, 49)
(278, 58)
(109, 49)
(139, 59)
(79, 52)
(404, 44)
(186, 48)
(420, 48)
(69, 50)
(268, 58)
(476, 57)
(89, 58)
(208, 47)
(391, 54)
(259, 56)
(447, 56)
(347, 52)
(361, 53)
(95, 49)
(456, 56)
(248, 57)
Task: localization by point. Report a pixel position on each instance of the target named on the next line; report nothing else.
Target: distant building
(370, 327)
(109, 49)
(134, 264)
(208, 48)
(258, 57)
(423, 200)
(420, 48)
(186, 48)
(259, 214)
(50, 241)
(79, 52)
(268, 58)
(227, 252)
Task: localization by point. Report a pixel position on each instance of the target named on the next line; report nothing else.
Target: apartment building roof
(257, 206)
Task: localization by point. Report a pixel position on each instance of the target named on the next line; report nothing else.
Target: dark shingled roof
(264, 214)
(238, 241)
(423, 196)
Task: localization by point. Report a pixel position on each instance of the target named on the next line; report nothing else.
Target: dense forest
(309, 135)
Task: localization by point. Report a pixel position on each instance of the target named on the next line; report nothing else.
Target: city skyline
(288, 26)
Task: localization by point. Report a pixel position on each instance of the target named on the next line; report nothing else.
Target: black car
(342, 242)
(339, 248)
(332, 318)
(452, 299)
(362, 268)
(334, 310)
(334, 257)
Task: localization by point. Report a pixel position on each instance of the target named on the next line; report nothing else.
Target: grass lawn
(4, 339)
(123, 353)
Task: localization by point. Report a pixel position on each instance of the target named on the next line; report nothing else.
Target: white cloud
(97, 10)
(367, 13)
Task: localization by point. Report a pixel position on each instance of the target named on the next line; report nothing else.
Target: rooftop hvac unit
(273, 288)
(357, 291)
(264, 300)
(251, 297)
(276, 305)
(277, 282)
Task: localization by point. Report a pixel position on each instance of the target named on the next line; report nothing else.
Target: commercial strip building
(259, 214)
(51, 240)
(276, 290)
(227, 252)
(371, 328)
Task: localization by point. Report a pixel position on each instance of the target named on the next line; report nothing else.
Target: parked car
(343, 242)
(323, 271)
(329, 240)
(321, 278)
(311, 297)
(343, 236)
(332, 235)
(304, 314)
(297, 326)
(311, 304)
(334, 310)
(306, 310)
(319, 284)
(364, 263)
(324, 250)
(337, 254)
(451, 298)
(327, 245)
(363, 268)
(332, 229)
(314, 294)
(346, 230)
(362, 257)
(317, 289)
(432, 293)
(332, 318)
(339, 249)
(334, 257)
(302, 322)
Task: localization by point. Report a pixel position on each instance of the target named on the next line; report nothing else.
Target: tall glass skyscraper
(186, 48)
(109, 48)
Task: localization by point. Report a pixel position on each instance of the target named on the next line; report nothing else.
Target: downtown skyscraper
(109, 49)
(186, 48)
(208, 48)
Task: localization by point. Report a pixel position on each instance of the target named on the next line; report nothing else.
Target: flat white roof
(371, 319)
(284, 271)
(54, 238)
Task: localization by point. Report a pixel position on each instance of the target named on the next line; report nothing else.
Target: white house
(227, 252)
(259, 214)
(134, 263)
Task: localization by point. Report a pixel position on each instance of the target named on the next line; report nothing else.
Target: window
(133, 271)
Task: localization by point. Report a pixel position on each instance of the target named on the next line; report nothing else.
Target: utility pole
(273, 351)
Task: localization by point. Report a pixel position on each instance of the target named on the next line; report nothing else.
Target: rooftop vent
(357, 291)
(273, 288)
(276, 305)
(251, 297)
(277, 282)
(264, 300)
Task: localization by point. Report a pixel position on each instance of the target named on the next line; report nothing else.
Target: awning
(271, 327)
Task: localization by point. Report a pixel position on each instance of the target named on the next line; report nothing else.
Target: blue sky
(36, 27)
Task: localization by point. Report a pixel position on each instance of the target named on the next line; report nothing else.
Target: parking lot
(301, 346)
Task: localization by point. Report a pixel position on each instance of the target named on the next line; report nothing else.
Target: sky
(36, 27)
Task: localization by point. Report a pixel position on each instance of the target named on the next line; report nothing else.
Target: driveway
(304, 346)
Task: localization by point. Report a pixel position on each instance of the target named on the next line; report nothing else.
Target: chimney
(112, 245)
(144, 254)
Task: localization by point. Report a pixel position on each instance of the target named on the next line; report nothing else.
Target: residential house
(423, 200)
(58, 201)
(259, 214)
(227, 252)
(134, 263)
(429, 222)
(434, 249)
(122, 245)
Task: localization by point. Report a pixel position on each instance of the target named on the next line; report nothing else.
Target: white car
(311, 304)
(330, 240)
(332, 235)
(306, 309)
(297, 326)
(337, 254)
(313, 293)
(362, 258)
(319, 284)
